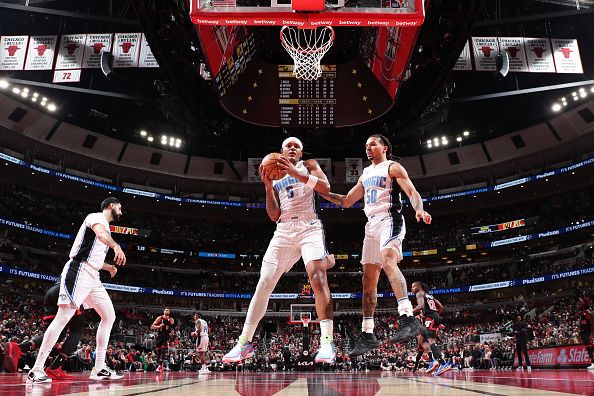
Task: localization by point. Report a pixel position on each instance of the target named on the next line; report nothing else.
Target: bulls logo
(97, 47)
(538, 51)
(12, 49)
(486, 51)
(513, 51)
(71, 47)
(41, 48)
(566, 52)
(126, 47)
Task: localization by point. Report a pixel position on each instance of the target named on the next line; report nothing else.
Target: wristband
(312, 181)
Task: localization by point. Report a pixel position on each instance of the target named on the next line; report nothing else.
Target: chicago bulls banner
(353, 168)
(567, 56)
(40, 55)
(514, 46)
(12, 52)
(253, 169)
(326, 165)
(464, 62)
(70, 52)
(147, 59)
(485, 50)
(94, 46)
(539, 54)
(126, 48)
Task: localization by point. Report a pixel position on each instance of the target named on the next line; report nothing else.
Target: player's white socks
(367, 325)
(269, 276)
(107, 314)
(404, 307)
(51, 335)
(327, 329)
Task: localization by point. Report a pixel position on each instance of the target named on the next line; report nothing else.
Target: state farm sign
(558, 357)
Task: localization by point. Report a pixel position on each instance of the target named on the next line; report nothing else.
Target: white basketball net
(307, 47)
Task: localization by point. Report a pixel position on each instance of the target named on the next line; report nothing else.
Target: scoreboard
(307, 103)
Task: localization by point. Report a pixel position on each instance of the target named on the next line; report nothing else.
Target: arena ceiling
(175, 100)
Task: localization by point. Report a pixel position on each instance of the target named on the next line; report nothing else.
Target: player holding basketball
(429, 308)
(586, 328)
(291, 203)
(80, 285)
(381, 184)
(163, 325)
(201, 335)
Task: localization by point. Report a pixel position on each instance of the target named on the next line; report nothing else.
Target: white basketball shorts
(382, 232)
(80, 285)
(295, 239)
(203, 345)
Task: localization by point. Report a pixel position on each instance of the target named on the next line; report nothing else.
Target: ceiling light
(16, 90)
(458, 139)
(428, 141)
(24, 94)
(583, 94)
(436, 143)
(26, 89)
(51, 107)
(42, 103)
(34, 99)
(575, 98)
(564, 104)
(177, 141)
(591, 89)
(574, 93)
(582, 89)
(35, 94)
(429, 145)
(563, 99)
(177, 145)
(435, 140)
(556, 107)
(444, 142)
(444, 138)
(4, 84)
(143, 133)
(171, 143)
(465, 133)
(150, 138)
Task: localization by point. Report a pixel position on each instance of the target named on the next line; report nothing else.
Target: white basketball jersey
(382, 194)
(296, 199)
(87, 247)
(204, 330)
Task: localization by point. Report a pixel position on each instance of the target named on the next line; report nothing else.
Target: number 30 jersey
(296, 199)
(382, 194)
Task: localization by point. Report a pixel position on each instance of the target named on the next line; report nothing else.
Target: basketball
(270, 167)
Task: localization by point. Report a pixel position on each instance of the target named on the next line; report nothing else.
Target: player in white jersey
(380, 185)
(290, 202)
(200, 333)
(80, 285)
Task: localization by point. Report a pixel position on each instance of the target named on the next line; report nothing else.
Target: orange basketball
(271, 168)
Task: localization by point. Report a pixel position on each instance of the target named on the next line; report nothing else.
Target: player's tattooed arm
(346, 201)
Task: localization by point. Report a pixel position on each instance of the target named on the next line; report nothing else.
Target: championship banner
(253, 170)
(464, 62)
(12, 52)
(498, 227)
(485, 50)
(571, 356)
(514, 46)
(70, 52)
(567, 56)
(353, 168)
(326, 166)
(147, 59)
(94, 46)
(40, 55)
(539, 54)
(126, 49)
(123, 230)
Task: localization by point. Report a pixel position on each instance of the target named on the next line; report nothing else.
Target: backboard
(353, 13)
(301, 311)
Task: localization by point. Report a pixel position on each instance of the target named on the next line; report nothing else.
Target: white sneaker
(204, 370)
(38, 377)
(521, 368)
(326, 353)
(529, 368)
(591, 367)
(104, 374)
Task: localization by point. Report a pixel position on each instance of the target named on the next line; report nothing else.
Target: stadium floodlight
(51, 107)
(466, 133)
(458, 139)
(143, 133)
(556, 107)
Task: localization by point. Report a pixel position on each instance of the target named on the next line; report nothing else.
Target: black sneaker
(364, 343)
(408, 327)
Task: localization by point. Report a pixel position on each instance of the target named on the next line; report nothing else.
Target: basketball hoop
(307, 47)
(305, 321)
